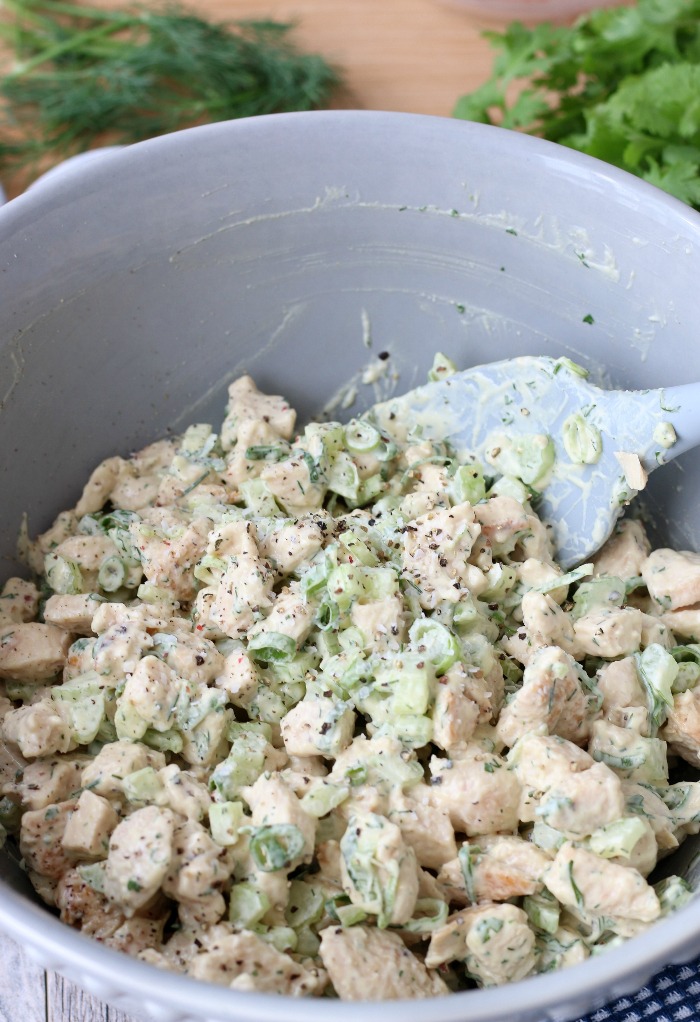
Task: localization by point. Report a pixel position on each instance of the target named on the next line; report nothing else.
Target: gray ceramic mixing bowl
(298, 248)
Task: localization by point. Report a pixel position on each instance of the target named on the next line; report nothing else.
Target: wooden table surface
(415, 56)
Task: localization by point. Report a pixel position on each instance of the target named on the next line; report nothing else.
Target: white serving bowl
(133, 289)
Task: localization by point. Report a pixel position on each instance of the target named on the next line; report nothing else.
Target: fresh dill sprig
(83, 75)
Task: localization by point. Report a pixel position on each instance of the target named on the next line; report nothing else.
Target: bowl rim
(59, 947)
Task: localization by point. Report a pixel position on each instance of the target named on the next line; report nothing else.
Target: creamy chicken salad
(318, 714)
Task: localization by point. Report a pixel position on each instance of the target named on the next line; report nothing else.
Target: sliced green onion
(266, 452)
(275, 846)
(111, 575)
(63, 576)
(469, 856)
(271, 647)
(437, 642)
(209, 569)
(433, 913)
(361, 437)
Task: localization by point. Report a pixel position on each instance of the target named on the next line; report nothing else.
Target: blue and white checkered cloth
(673, 995)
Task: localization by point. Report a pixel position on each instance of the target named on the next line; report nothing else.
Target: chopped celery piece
(209, 569)
(259, 500)
(225, 819)
(305, 905)
(10, 815)
(93, 874)
(467, 484)
(618, 838)
(242, 767)
(144, 786)
(500, 578)
(607, 591)
(82, 703)
(469, 856)
(249, 727)
(283, 938)
(308, 943)
(350, 915)
(247, 905)
(575, 575)
(163, 741)
(358, 549)
(350, 582)
(321, 800)
(412, 730)
(129, 723)
(543, 911)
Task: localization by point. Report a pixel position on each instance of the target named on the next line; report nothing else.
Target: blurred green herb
(621, 84)
(81, 74)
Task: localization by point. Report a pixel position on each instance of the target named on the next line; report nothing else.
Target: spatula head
(583, 452)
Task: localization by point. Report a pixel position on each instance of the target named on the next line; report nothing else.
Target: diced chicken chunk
(38, 729)
(295, 542)
(425, 827)
(563, 786)
(81, 906)
(501, 866)
(682, 728)
(19, 602)
(99, 486)
(587, 883)
(436, 551)
(243, 961)
(672, 577)
(88, 829)
(624, 553)
(106, 772)
(246, 403)
(610, 632)
(368, 964)
(40, 839)
(478, 791)
(140, 853)
(245, 588)
(318, 727)
(45, 781)
(272, 802)
(551, 694)
(290, 615)
(73, 612)
(32, 651)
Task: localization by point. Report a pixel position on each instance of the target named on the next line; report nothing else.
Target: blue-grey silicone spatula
(585, 450)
